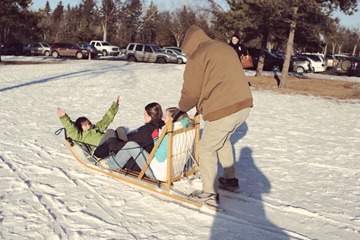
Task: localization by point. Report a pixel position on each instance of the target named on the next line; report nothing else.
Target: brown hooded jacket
(214, 80)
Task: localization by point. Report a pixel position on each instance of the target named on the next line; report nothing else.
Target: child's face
(86, 126)
(167, 116)
(146, 117)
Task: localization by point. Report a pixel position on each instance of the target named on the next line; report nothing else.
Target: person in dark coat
(238, 47)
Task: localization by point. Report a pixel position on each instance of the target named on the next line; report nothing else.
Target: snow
(298, 160)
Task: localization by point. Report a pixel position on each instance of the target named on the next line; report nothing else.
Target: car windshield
(106, 44)
(46, 45)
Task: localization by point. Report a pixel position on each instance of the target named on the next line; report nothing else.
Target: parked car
(140, 52)
(12, 48)
(90, 48)
(105, 48)
(331, 60)
(349, 66)
(271, 61)
(122, 49)
(68, 50)
(318, 62)
(181, 57)
(38, 48)
(300, 64)
(174, 48)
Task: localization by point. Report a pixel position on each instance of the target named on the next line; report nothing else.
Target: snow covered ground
(298, 160)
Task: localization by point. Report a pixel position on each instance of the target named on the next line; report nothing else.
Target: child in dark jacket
(140, 142)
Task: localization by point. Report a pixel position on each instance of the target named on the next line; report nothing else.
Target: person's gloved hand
(176, 114)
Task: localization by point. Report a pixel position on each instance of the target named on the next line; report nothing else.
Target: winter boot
(231, 184)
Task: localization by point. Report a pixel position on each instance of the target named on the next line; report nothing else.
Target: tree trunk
(260, 66)
(325, 49)
(333, 48)
(289, 50)
(354, 51)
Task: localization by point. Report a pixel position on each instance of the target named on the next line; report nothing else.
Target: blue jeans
(130, 149)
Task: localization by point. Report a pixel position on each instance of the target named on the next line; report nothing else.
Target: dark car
(94, 53)
(68, 50)
(12, 48)
(349, 66)
(271, 62)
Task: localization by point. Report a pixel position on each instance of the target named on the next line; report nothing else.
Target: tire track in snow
(286, 208)
(60, 229)
(88, 190)
(42, 153)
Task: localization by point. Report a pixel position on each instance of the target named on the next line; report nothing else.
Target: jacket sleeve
(71, 130)
(108, 117)
(192, 85)
(140, 135)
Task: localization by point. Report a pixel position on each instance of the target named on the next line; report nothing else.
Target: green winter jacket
(93, 136)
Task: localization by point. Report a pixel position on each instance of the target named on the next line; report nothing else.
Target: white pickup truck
(105, 48)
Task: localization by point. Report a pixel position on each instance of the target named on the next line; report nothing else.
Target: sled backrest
(182, 153)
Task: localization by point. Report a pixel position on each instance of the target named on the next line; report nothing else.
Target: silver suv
(140, 52)
(39, 48)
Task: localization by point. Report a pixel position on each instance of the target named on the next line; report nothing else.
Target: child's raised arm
(60, 112)
(117, 99)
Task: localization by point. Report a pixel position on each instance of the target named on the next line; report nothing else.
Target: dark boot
(231, 184)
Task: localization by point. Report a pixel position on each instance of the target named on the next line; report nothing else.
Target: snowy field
(298, 161)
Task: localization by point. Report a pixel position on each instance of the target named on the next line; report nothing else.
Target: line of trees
(301, 25)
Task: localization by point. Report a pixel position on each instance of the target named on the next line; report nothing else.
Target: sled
(182, 161)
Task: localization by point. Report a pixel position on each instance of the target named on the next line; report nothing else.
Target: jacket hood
(194, 37)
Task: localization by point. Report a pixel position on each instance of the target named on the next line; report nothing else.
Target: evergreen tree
(45, 21)
(150, 25)
(57, 29)
(130, 20)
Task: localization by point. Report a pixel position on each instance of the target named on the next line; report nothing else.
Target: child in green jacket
(100, 142)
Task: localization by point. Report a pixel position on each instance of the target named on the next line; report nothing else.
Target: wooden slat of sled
(138, 183)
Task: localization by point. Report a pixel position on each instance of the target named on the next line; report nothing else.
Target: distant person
(238, 47)
(214, 83)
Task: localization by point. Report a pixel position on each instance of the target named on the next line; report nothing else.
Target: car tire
(28, 53)
(180, 61)
(300, 70)
(131, 59)
(79, 55)
(47, 53)
(104, 53)
(55, 54)
(345, 65)
(161, 60)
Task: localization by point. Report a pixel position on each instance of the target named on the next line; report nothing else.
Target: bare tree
(107, 15)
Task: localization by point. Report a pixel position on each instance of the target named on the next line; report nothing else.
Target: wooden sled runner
(182, 161)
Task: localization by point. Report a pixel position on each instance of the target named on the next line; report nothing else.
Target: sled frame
(194, 155)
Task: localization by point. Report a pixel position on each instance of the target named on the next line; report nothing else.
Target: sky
(347, 21)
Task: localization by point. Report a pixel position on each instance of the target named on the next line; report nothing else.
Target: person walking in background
(214, 83)
(238, 47)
